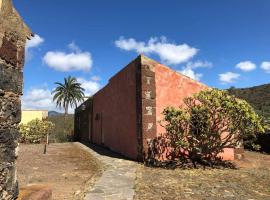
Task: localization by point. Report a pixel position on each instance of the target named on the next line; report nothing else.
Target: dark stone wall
(13, 35)
(146, 105)
(83, 121)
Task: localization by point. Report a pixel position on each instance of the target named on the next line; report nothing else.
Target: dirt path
(66, 168)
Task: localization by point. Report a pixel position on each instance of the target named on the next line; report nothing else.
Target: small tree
(35, 131)
(207, 123)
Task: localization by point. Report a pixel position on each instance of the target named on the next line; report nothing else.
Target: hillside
(258, 97)
(54, 113)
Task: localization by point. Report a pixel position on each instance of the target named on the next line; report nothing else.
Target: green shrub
(35, 131)
(64, 128)
(208, 122)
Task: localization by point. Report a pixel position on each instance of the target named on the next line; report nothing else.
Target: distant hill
(54, 113)
(258, 97)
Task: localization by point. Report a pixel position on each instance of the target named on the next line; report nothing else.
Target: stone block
(8, 144)
(10, 109)
(11, 79)
(8, 50)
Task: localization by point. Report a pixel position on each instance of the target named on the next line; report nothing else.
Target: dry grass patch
(66, 168)
(250, 181)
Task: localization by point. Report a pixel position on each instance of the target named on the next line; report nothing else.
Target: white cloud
(246, 66)
(266, 66)
(199, 64)
(188, 70)
(38, 98)
(74, 61)
(90, 86)
(34, 42)
(228, 77)
(73, 47)
(169, 53)
(95, 78)
(31, 44)
(190, 73)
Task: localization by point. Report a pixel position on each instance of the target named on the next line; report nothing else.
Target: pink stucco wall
(171, 89)
(116, 106)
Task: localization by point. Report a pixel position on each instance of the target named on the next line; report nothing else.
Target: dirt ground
(251, 181)
(66, 168)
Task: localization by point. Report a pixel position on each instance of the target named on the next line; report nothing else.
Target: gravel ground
(66, 168)
(250, 181)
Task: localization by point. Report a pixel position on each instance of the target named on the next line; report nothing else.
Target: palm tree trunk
(66, 112)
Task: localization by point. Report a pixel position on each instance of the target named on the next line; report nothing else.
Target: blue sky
(221, 43)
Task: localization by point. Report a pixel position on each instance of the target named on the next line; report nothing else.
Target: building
(29, 115)
(124, 115)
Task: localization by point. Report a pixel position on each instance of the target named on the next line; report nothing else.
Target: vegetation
(258, 97)
(64, 128)
(68, 94)
(35, 131)
(199, 131)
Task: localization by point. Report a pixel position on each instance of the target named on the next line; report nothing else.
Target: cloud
(169, 53)
(38, 98)
(199, 64)
(31, 44)
(246, 66)
(266, 66)
(95, 78)
(228, 77)
(190, 73)
(90, 86)
(73, 47)
(188, 70)
(34, 42)
(65, 62)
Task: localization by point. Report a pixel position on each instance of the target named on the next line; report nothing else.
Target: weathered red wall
(171, 89)
(117, 103)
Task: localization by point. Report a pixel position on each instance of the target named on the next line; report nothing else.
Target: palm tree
(68, 94)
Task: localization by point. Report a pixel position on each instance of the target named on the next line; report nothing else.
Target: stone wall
(83, 121)
(13, 35)
(146, 99)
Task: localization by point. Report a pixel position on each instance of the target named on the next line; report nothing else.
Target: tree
(207, 123)
(35, 131)
(68, 94)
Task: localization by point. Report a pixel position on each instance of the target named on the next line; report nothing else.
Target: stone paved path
(117, 181)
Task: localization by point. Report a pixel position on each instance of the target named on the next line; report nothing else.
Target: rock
(35, 192)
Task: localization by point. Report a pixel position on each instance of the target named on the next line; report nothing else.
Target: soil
(250, 181)
(66, 168)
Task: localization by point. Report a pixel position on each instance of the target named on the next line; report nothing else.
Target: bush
(64, 128)
(35, 131)
(199, 131)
